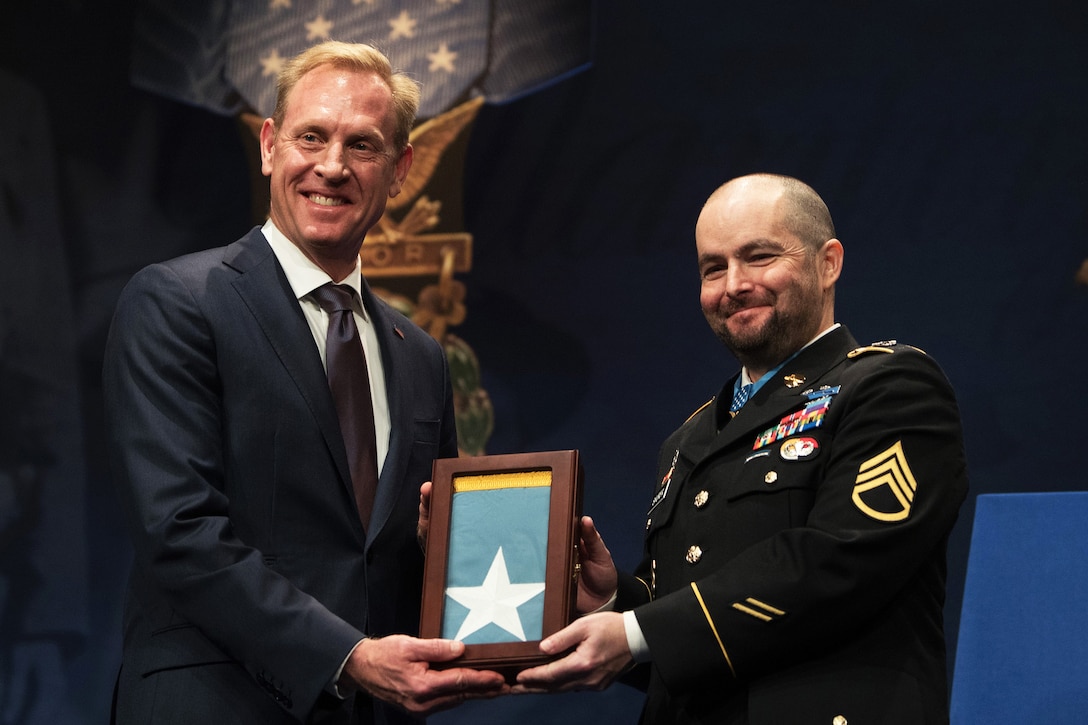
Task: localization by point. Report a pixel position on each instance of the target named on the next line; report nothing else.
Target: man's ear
(267, 142)
(831, 261)
(400, 173)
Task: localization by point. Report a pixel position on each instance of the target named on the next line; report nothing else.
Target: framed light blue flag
(501, 565)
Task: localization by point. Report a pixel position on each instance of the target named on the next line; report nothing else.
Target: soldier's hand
(423, 524)
(599, 655)
(597, 580)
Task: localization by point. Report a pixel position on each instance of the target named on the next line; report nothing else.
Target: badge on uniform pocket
(796, 449)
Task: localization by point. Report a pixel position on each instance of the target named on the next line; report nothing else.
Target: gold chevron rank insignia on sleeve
(884, 487)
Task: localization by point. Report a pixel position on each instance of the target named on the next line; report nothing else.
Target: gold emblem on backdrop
(411, 254)
(409, 239)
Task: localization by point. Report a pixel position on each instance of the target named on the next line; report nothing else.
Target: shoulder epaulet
(700, 409)
(885, 346)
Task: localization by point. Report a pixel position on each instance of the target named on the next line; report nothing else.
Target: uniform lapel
(702, 442)
(783, 394)
(699, 438)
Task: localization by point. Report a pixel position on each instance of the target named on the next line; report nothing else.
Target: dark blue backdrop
(948, 140)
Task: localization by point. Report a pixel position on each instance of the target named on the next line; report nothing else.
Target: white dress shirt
(304, 277)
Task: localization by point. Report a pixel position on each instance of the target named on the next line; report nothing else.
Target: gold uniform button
(694, 554)
(701, 498)
(771, 477)
(838, 720)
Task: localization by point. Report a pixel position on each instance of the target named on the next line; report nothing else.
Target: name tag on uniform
(663, 489)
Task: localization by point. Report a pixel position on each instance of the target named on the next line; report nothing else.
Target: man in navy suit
(258, 594)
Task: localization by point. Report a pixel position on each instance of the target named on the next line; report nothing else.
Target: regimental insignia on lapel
(884, 487)
(793, 380)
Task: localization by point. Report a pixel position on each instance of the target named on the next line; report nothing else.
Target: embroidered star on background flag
(272, 64)
(442, 59)
(495, 601)
(214, 54)
(318, 28)
(402, 26)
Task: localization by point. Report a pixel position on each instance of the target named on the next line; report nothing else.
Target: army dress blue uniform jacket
(794, 566)
(253, 576)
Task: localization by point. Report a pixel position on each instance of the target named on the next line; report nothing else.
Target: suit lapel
(396, 362)
(264, 290)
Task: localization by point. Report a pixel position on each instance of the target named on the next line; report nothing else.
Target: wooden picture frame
(478, 505)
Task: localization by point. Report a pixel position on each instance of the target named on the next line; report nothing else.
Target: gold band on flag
(496, 481)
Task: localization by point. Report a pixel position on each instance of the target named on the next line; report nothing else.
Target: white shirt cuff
(335, 689)
(636, 642)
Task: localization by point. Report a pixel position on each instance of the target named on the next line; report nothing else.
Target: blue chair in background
(1022, 652)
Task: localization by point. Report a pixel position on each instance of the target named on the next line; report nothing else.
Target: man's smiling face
(332, 163)
(763, 290)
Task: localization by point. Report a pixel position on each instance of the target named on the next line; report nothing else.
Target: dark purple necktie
(345, 365)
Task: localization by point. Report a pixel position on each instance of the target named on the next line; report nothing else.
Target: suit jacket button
(694, 554)
(701, 498)
(771, 477)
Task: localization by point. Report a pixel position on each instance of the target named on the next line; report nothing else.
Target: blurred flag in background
(224, 54)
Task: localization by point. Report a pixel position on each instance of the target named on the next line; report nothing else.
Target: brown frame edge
(560, 590)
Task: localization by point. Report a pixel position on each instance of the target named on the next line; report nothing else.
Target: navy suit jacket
(252, 570)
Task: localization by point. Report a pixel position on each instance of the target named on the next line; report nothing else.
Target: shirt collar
(302, 274)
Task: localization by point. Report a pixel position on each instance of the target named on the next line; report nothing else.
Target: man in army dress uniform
(794, 566)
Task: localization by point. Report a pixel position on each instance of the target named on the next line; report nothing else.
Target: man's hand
(597, 581)
(397, 669)
(423, 525)
(600, 656)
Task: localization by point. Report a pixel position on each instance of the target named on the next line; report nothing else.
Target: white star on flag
(318, 29)
(496, 601)
(272, 64)
(403, 26)
(442, 59)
